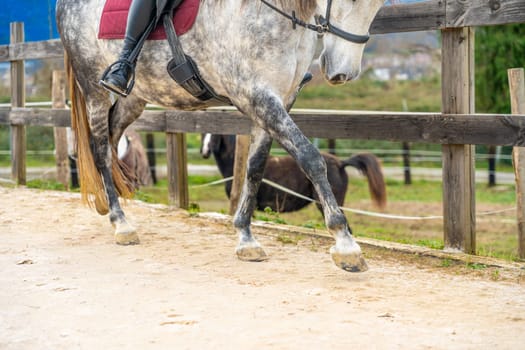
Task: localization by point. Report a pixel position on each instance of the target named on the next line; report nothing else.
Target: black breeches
(141, 13)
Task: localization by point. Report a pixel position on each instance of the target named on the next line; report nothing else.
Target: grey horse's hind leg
(269, 113)
(102, 154)
(124, 112)
(105, 132)
(248, 248)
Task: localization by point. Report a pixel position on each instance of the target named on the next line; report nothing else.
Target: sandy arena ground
(64, 284)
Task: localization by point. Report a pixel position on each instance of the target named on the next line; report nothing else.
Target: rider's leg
(141, 13)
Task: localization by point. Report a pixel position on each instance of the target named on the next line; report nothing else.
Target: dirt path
(65, 285)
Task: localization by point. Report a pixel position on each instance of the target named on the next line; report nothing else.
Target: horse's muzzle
(335, 78)
(338, 79)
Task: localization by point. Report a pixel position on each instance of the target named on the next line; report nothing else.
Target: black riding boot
(118, 76)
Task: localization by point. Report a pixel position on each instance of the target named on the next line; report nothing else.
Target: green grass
(289, 239)
(269, 215)
(365, 94)
(46, 185)
(476, 266)
(496, 236)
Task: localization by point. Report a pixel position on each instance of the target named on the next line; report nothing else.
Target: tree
(497, 49)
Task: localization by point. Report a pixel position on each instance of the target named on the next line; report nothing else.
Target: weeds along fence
(456, 127)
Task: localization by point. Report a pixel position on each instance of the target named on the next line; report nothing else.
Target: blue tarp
(38, 17)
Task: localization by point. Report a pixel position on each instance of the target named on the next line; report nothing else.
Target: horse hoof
(351, 261)
(251, 254)
(125, 234)
(127, 238)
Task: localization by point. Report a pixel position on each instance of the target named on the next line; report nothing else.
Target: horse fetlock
(336, 222)
(242, 223)
(116, 216)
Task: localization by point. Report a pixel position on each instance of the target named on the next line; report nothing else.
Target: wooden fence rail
(440, 128)
(457, 127)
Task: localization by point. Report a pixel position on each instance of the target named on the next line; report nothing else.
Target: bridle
(322, 25)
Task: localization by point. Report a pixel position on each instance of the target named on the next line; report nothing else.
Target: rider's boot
(119, 76)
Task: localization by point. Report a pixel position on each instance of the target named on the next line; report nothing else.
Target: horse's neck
(258, 35)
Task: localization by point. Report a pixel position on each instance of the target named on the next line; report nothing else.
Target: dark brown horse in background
(286, 172)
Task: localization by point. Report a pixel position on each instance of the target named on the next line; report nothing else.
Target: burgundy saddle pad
(115, 15)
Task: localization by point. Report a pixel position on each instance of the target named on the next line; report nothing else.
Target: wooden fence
(456, 127)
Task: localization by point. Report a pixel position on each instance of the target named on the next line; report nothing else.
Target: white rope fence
(356, 211)
(286, 190)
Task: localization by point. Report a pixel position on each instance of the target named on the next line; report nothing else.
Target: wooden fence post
(457, 86)
(177, 160)
(242, 145)
(18, 97)
(406, 153)
(152, 159)
(58, 96)
(491, 153)
(406, 163)
(331, 146)
(517, 102)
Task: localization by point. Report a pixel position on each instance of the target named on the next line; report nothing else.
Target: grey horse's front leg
(248, 248)
(270, 114)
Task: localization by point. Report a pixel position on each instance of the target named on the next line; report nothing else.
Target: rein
(322, 25)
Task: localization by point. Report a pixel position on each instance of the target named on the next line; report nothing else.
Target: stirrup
(112, 88)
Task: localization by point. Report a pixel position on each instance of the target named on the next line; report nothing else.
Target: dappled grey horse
(256, 54)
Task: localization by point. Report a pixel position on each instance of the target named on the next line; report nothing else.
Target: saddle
(115, 14)
(177, 17)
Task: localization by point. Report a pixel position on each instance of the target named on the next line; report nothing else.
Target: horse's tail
(91, 183)
(369, 165)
